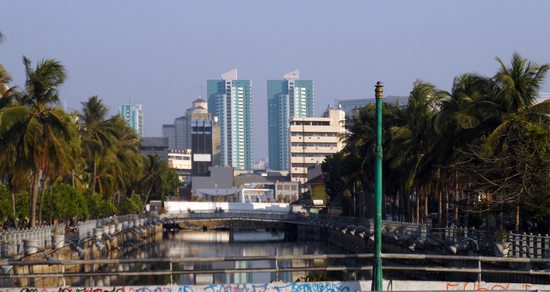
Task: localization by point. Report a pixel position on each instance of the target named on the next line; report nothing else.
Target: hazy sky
(160, 53)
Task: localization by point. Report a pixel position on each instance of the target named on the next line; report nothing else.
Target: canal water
(219, 244)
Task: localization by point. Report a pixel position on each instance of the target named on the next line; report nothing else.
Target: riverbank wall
(99, 246)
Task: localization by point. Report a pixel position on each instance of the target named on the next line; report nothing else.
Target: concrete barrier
(306, 286)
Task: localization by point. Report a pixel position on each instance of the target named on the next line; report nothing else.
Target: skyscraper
(286, 99)
(133, 115)
(229, 99)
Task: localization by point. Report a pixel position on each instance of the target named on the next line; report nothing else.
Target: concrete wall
(307, 286)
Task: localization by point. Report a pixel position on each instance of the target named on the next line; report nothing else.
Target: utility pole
(377, 259)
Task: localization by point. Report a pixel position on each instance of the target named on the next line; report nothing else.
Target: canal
(220, 244)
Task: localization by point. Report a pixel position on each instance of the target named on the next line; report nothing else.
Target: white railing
(11, 242)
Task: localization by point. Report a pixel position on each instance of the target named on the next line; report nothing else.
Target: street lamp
(377, 258)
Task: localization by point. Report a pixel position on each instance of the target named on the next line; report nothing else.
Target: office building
(229, 99)
(155, 146)
(133, 115)
(286, 99)
(179, 133)
(197, 112)
(312, 139)
(169, 132)
(205, 146)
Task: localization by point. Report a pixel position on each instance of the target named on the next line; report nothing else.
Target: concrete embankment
(100, 246)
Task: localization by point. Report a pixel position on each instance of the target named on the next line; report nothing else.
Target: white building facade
(312, 139)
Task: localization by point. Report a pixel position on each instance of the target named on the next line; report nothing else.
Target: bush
(65, 202)
(132, 204)
(98, 207)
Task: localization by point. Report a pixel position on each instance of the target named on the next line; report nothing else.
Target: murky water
(186, 244)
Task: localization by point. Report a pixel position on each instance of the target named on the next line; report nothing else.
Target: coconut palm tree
(128, 169)
(412, 142)
(42, 134)
(517, 87)
(519, 84)
(97, 135)
(153, 175)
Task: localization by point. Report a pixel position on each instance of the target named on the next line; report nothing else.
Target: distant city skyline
(161, 54)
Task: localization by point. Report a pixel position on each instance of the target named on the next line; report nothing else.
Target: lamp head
(379, 90)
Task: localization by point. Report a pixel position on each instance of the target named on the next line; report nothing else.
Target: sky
(160, 53)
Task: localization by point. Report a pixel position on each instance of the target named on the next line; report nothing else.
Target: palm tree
(97, 134)
(518, 85)
(153, 175)
(517, 88)
(129, 164)
(4, 80)
(412, 142)
(465, 114)
(42, 134)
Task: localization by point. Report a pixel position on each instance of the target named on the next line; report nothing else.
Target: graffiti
(265, 287)
(477, 286)
(312, 287)
(299, 287)
(234, 288)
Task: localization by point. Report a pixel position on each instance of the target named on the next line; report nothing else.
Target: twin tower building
(290, 105)
(229, 99)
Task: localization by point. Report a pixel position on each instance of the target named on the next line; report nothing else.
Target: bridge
(412, 237)
(355, 226)
(187, 212)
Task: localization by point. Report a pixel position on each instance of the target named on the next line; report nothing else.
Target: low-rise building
(312, 139)
(155, 146)
(180, 161)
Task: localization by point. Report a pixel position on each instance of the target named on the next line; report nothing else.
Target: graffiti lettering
(476, 286)
(297, 287)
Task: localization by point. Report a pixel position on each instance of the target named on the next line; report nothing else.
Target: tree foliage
(84, 164)
(481, 149)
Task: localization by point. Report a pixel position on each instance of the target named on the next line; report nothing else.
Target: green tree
(157, 178)
(65, 202)
(97, 134)
(519, 83)
(43, 135)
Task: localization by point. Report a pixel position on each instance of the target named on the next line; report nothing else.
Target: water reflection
(219, 244)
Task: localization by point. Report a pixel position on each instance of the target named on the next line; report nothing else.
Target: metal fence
(501, 244)
(396, 266)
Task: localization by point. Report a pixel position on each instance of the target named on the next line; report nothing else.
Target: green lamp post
(377, 259)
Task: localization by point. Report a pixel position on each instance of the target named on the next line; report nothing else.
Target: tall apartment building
(286, 99)
(312, 139)
(133, 115)
(229, 99)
